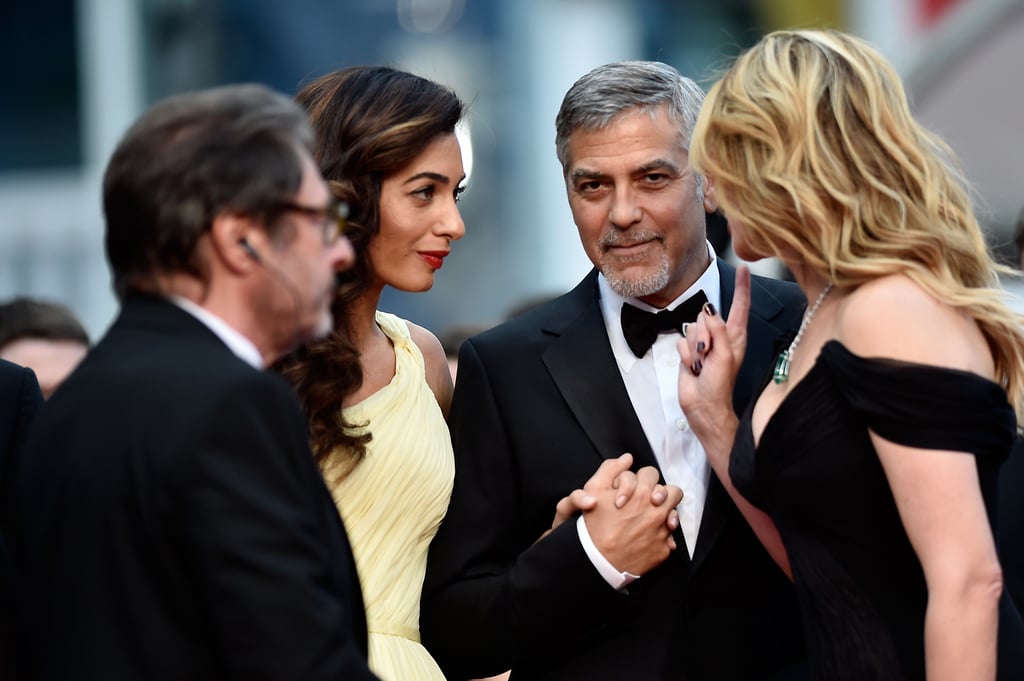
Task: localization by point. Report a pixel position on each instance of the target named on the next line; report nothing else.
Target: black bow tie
(641, 328)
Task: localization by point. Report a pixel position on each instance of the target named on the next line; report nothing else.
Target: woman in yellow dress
(377, 390)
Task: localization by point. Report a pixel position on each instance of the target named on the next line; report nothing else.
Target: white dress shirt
(243, 348)
(652, 382)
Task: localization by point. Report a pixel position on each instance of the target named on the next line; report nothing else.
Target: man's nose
(341, 254)
(624, 210)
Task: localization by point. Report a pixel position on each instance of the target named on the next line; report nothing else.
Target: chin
(420, 286)
(747, 255)
(312, 331)
(323, 326)
(742, 250)
(637, 284)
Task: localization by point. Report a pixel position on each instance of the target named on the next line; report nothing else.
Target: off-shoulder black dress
(861, 588)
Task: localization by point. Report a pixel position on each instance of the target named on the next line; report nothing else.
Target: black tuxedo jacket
(20, 400)
(539, 403)
(171, 522)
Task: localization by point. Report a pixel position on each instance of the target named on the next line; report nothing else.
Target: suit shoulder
(195, 374)
(786, 293)
(14, 378)
(550, 317)
(242, 387)
(530, 326)
(779, 287)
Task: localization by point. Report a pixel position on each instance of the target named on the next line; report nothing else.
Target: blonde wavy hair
(810, 142)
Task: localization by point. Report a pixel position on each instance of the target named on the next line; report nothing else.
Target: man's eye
(591, 186)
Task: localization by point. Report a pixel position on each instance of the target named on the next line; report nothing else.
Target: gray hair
(604, 93)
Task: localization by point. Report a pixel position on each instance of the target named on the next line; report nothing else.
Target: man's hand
(579, 500)
(625, 482)
(633, 516)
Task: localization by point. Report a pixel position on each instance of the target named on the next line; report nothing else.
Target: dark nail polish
(700, 346)
(697, 366)
(710, 309)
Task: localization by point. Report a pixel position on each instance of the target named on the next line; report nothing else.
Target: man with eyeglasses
(168, 519)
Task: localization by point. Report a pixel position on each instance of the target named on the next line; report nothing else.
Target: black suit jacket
(20, 400)
(538, 405)
(172, 523)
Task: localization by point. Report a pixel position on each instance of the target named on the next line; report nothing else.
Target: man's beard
(632, 288)
(645, 285)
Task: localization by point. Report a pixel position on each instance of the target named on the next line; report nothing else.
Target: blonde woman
(868, 463)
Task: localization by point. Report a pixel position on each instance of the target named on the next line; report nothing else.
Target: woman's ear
(710, 196)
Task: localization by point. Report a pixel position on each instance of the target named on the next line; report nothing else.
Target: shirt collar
(611, 307)
(241, 346)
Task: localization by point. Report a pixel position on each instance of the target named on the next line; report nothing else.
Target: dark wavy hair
(370, 121)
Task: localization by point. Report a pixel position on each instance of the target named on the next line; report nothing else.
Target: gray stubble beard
(638, 288)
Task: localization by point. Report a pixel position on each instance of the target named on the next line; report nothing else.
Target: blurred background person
(868, 465)
(42, 335)
(378, 389)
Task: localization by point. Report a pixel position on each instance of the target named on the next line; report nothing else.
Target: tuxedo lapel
(583, 368)
(727, 286)
(716, 501)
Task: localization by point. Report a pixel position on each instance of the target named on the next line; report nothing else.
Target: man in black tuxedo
(170, 521)
(544, 398)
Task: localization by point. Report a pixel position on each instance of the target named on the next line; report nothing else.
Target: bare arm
(937, 492)
(439, 378)
(940, 504)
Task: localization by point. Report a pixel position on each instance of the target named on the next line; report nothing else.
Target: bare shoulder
(895, 317)
(435, 363)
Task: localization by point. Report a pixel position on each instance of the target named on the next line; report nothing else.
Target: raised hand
(710, 353)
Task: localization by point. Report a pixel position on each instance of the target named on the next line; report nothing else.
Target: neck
(693, 271)
(225, 301)
(361, 317)
(809, 281)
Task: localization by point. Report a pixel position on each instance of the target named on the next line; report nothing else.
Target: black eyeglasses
(333, 216)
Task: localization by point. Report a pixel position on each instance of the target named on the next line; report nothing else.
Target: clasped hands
(630, 516)
(626, 513)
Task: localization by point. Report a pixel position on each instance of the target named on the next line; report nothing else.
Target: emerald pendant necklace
(781, 372)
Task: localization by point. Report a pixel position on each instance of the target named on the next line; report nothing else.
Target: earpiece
(248, 248)
(277, 275)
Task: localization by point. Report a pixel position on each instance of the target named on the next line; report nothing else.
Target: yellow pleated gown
(392, 504)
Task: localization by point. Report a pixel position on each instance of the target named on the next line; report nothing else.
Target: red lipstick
(433, 258)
